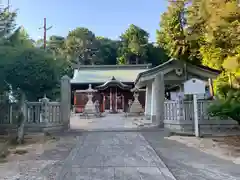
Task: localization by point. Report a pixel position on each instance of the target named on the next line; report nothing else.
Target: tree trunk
(22, 120)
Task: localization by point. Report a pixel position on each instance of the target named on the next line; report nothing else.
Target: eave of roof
(101, 67)
(157, 68)
(113, 82)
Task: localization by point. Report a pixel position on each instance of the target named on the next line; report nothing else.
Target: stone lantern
(90, 107)
(45, 109)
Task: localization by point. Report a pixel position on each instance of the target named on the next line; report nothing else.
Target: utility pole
(8, 5)
(45, 29)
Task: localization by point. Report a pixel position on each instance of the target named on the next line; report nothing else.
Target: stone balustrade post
(45, 109)
(180, 109)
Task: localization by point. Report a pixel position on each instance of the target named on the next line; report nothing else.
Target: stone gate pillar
(153, 103)
(159, 98)
(65, 101)
(148, 96)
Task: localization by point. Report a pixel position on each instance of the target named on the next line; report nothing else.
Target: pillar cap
(65, 77)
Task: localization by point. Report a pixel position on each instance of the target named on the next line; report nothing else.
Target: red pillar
(111, 104)
(74, 101)
(103, 105)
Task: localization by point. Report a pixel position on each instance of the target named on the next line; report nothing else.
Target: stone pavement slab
(113, 156)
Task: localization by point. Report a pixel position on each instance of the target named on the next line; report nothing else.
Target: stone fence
(179, 117)
(39, 116)
(8, 112)
(43, 115)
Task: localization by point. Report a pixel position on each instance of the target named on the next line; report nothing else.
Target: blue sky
(107, 18)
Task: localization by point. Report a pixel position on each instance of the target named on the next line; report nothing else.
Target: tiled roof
(102, 75)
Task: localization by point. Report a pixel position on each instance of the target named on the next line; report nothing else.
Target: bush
(229, 107)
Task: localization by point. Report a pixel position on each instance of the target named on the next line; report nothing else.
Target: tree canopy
(82, 46)
(26, 65)
(202, 31)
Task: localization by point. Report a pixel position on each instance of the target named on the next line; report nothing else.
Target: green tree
(108, 50)
(20, 38)
(56, 45)
(7, 22)
(6, 54)
(33, 71)
(82, 47)
(39, 43)
(172, 33)
(134, 42)
(214, 25)
(156, 55)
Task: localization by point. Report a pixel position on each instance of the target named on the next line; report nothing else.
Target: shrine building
(112, 85)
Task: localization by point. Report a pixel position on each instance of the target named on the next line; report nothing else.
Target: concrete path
(113, 156)
(116, 155)
(187, 163)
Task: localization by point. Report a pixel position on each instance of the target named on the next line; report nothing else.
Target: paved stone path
(109, 122)
(113, 156)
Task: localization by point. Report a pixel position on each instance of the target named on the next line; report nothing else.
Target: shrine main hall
(112, 85)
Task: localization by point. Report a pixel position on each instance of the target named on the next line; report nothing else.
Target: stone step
(142, 122)
(139, 123)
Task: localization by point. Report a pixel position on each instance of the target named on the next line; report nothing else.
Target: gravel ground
(41, 162)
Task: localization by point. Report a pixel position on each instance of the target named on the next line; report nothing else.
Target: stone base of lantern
(136, 107)
(113, 111)
(89, 108)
